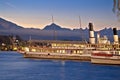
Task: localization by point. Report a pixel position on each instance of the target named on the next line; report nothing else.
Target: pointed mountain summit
(54, 26)
(4, 24)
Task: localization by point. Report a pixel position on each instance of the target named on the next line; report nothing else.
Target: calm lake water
(14, 67)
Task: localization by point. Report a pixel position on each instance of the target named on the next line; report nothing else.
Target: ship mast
(52, 19)
(54, 31)
(81, 32)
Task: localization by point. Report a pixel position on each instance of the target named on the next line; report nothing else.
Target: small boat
(105, 57)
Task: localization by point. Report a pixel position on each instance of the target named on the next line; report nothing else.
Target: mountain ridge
(54, 26)
(47, 31)
(4, 24)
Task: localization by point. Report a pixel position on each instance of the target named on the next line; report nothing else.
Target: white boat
(100, 52)
(105, 57)
(61, 56)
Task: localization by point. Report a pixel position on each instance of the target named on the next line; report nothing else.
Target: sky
(38, 13)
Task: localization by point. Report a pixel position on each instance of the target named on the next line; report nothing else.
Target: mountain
(4, 24)
(56, 27)
(47, 33)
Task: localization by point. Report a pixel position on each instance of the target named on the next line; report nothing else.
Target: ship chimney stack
(98, 37)
(115, 36)
(91, 34)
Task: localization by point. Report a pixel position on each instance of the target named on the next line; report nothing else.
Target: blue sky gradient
(37, 13)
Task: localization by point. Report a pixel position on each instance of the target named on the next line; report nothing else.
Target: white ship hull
(60, 56)
(105, 57)
(105, 61)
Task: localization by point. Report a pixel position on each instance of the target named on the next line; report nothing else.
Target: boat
(59, 56)
(105, 57)
(102, 52)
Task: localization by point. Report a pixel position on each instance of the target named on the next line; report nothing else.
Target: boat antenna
(80, 21)
(52, 19)
(81, 32)
(30, 40)
(54, 31)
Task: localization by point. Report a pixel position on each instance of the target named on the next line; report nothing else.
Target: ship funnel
(115, 36)
(91, 34)
(90, 26)
(98, 37)
(114, 31)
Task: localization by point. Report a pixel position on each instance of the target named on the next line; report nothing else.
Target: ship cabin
(55, 46)
(70, 47)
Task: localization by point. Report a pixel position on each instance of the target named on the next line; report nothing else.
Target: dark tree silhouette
(116, 8)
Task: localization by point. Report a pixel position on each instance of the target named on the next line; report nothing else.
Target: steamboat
(76, 50)
(110, 56)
